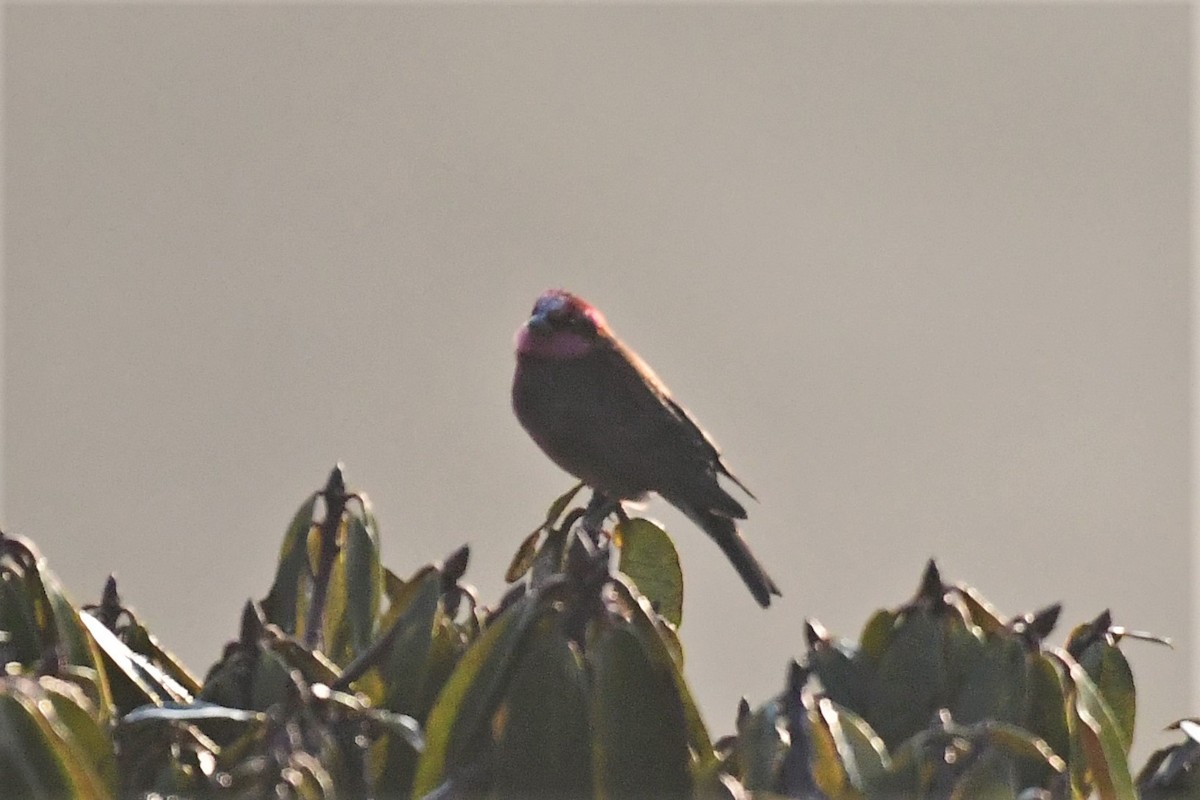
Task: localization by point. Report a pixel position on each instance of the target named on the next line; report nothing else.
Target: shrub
(348, 681)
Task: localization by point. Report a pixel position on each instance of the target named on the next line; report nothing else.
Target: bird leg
(600, 508)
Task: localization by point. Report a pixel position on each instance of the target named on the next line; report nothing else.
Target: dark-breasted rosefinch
(602, 414)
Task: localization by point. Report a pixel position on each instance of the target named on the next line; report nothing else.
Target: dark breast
(579, 412)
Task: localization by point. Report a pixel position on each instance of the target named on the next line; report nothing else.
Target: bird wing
(668, 436)
(703, 435)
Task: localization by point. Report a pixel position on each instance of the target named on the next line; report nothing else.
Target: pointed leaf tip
(455, 565)
(931, 587)
(109, 596)
(253, 622)
(335, 486)
(110, 608)
(1033, 628)
(560, 505)
(1044, 621)
(797, 677)
(522, 560)
(815, 634)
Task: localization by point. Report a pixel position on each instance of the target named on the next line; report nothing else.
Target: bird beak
(539, 324)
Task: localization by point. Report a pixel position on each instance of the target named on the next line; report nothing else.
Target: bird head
(561, 325)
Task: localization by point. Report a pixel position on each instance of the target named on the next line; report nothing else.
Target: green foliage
(347, 680)
(648, 557)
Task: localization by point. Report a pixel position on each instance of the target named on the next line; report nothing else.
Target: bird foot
(599, 509)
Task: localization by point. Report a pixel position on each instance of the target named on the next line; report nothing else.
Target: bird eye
(581, 323)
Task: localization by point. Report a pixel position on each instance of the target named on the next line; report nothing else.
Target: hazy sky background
(921, 269)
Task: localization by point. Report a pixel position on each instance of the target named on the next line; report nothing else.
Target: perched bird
(599, 412)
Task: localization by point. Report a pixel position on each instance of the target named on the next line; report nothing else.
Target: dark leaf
(543, 736)
(287, 602)
(640, 749)
(1101, 738)
(522, 560)
(461, 716)
(909, 681)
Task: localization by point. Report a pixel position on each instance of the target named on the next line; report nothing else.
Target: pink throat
(561, 344)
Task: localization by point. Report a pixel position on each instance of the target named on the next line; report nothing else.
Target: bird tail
(724, 532)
